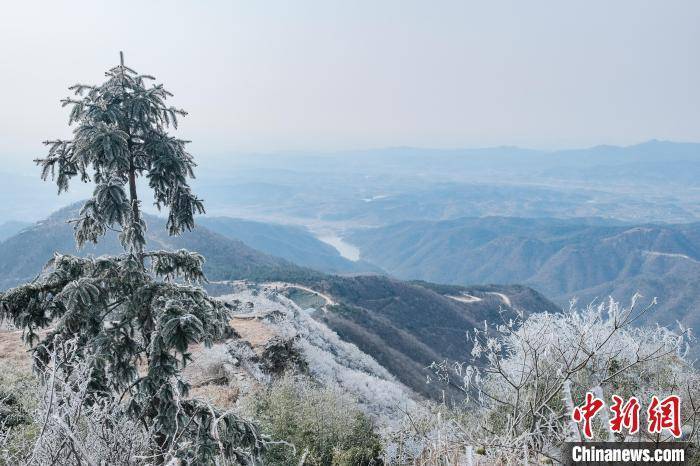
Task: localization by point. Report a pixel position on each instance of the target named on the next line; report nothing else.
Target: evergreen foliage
(121, 135)
(135, 315)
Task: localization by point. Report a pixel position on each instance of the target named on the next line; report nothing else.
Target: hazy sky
(318, 75)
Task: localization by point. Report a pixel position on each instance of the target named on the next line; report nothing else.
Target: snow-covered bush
(70, 424)
(527, 376)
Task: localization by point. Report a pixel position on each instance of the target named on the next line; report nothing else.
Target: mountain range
(10, 228)
(23, 255)
(587, 259)
(405, 326)
(651, 181)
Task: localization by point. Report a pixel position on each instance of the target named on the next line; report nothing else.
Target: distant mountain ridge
(524, 182)
(561, 258)
(11, 228)
(23, 255)
(263, 249)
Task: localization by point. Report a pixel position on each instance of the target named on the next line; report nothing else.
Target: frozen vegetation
(331, 361)
(316, 399)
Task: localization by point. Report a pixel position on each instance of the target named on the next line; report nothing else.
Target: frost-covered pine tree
(134, 315)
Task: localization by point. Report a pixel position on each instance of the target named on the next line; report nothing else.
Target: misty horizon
(330, 76)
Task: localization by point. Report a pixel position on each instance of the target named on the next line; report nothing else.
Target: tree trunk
(133, 195)
(135, 213)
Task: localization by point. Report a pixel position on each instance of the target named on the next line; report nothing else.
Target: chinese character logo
(661, 414)
(586, 413)
(665, 414)
(625, 415)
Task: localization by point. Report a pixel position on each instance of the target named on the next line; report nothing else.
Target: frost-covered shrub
(427, 435)
(320, 425)
(17, 429)
(67, 423)
(329, 360)
(527, 376)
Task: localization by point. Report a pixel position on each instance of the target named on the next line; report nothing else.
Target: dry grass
(221, 396)
(254, 331)
(204, 372)
(13, 351)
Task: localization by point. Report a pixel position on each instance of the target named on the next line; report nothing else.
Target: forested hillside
(408, 326)
(23, 255)
(10, 228)
(562, 258)
(293, 243)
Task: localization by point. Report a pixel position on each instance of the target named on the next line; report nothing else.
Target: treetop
(121, 134)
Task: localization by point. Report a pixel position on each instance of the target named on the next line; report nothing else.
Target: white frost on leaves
(528, 375)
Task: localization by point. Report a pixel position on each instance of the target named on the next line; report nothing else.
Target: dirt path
(504, 298)
(464, 298)
(285, 286)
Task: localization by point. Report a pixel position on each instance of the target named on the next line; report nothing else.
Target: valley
(405, 326)
(403, 270)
